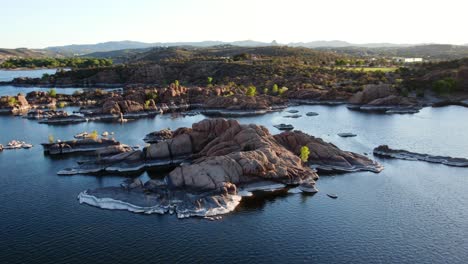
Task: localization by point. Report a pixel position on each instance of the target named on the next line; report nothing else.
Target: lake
(9, 75)
(412, 212)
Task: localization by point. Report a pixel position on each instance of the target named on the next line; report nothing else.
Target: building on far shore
(407, 60)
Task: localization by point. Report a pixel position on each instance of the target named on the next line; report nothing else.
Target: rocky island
(214, 161)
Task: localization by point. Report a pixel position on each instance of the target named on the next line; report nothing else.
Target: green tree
(94, 135)
(147, 104)
(53, 92)
(275, 89)
(251, 91)
(447, 85)
(176, 83)
(265, 90)
(209, 81)
(305, 153)
(282, 90)
(12, 101)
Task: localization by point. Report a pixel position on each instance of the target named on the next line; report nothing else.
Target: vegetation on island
(305, 152)
(74, 62)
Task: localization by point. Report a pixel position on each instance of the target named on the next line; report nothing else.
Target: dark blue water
(7, 75)
(412, 212)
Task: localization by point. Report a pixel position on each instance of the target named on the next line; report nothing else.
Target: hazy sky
(41, 23)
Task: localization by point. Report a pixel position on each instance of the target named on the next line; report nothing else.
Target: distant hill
(428, 52)
(125, 45)
(83, 49)
(230, 52)
(342, 44)
(25, 53)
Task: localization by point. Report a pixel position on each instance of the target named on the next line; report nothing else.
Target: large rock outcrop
(383, 98)
(372, 92)
(14, 104)
(222, 156)
(326, 156)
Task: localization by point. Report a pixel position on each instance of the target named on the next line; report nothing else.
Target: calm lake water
(14, 90)
(412, 212)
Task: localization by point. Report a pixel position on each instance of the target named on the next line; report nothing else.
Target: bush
(53, 92)
(147, 104)
(61, 104)
(94, 135)
(45, 77)
(151, 96)
(275, 89)
(304, 153)
(447, 85)
(51, 139)
(251, 91)
(12, 101)
(282, 90)
(265, 90)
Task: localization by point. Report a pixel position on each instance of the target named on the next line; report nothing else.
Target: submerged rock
(292, 116)
(386, 151)
(312, 114)
(346, 135)
(284, 127)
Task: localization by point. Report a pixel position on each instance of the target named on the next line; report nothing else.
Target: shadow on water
(261, 198)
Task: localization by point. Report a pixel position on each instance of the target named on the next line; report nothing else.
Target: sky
(39, 24)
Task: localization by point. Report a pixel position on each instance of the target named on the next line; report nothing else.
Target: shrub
(304, 153)
(61, 104)
(147, 104)
(265, 90)
(282, 90)
(209, 80)
(45, 77)
(447, 85)
(12, 101)
(275, 89)
(53, 92)
(94, 135)
(251, 91)
(51, 139)
(151, 95)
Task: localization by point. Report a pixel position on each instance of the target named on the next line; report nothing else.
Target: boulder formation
(216, 157)
(384, 98)
(326, 156)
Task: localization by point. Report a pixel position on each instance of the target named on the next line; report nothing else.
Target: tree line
(13, 63)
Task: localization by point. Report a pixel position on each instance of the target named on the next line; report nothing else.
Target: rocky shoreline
(387, 152)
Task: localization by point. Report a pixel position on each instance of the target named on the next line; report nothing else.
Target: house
(407, 60)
